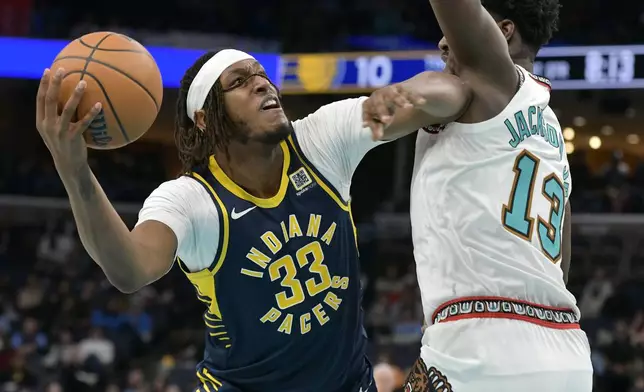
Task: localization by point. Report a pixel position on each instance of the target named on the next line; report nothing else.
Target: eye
(238, 81)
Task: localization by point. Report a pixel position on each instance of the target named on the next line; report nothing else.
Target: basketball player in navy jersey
(260, 222)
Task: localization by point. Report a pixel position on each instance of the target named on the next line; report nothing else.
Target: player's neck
(255, 167)
(522, 56)
(525, 63)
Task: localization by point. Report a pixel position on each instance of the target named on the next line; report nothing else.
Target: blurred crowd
(328, 24)
(124, 176)
(618, 187)
(64, 328)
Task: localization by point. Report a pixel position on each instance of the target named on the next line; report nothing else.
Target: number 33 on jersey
(287, 267)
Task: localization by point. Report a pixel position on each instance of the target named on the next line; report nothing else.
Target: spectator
(96, 346)
(385, 377)
(18, 376)
(63, 353)
(30, 340)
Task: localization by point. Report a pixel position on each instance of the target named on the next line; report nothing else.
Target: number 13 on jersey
(516, 215)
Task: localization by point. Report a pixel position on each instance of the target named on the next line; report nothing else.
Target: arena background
(64, 328)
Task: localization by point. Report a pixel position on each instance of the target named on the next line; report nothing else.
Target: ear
(200, 119)
(507, 28)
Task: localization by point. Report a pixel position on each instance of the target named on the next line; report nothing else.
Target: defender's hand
(380, 108)
(63, 138)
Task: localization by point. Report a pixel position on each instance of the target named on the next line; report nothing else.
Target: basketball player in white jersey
(490, 216)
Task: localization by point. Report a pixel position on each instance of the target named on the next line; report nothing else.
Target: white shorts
(504, 355)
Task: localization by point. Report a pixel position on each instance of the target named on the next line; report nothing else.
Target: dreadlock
(195, 146)
(536, 20)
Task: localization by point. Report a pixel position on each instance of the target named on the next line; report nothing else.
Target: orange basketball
(120, 74)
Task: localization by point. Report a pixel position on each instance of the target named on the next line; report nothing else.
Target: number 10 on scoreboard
(374, 72)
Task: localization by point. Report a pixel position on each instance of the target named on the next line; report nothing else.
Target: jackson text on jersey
(283, 293)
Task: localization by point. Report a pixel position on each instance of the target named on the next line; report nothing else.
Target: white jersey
(487, 205)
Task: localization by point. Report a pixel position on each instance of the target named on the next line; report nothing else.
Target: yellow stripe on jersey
(236, 190)
(204, 280)
(225, 229)
(208, 383)
(211, 378)
(211, 317)
(353, 226)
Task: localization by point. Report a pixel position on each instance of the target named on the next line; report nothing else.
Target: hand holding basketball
(379, 109)
(63, 138)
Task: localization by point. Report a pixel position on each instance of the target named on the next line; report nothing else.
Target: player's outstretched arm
(476, 41)
(129, 259)
(337, 136)
(566, 243)
(428, 98)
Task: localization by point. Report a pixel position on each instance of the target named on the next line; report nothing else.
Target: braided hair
(194, 145)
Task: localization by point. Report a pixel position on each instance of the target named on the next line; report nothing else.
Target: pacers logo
(319, 73)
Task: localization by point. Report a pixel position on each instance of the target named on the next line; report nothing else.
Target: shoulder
(183, 193)
(334, 141)
(182, 187)
(173, 203)
(334, 126)
(335, 114)
(184, 205)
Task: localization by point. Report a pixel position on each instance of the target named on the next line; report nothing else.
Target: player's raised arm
(338, 135)
(478, 42)
(130, 260)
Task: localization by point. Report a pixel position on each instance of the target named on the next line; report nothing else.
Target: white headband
(208, 75)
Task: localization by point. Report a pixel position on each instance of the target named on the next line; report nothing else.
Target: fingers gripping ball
(120, 74)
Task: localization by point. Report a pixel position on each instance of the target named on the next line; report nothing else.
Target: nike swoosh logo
(236, 215)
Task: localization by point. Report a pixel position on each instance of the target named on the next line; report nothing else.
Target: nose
(260, 84)
(442, 45)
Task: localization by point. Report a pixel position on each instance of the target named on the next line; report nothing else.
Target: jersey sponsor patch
(300, 179)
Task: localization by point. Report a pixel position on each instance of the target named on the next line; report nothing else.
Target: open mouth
(270, 103)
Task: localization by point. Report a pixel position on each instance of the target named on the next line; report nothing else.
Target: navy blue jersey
(283, 292)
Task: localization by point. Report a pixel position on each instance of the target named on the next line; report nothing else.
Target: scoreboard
(568, 68)
(352, 72)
